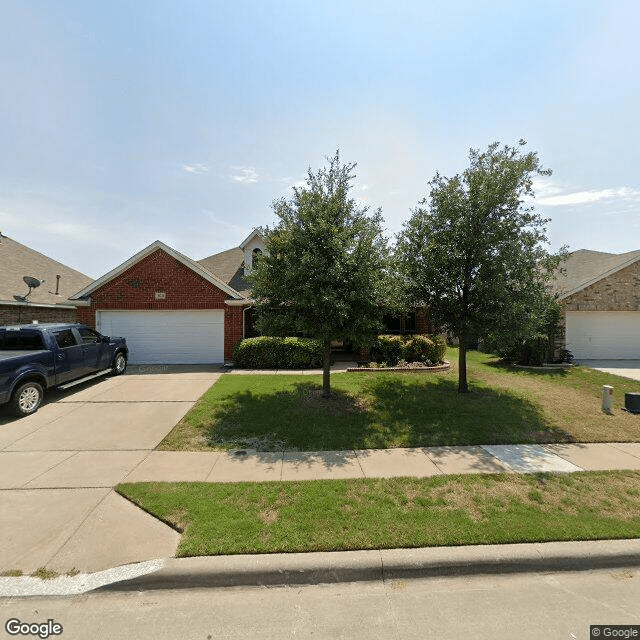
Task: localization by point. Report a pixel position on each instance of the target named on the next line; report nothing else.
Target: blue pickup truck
(35, 357)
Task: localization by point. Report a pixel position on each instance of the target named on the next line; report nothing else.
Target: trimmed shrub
(388, 349)
(417, 348)
(440, 348)
(269, 352)
(535, 350)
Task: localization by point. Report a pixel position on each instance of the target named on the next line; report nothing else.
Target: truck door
(92, 350)
(69, 357)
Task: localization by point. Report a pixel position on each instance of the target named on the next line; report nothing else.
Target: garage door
(604, 334)
(167, 337)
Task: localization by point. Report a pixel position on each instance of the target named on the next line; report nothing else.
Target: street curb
(385, 564)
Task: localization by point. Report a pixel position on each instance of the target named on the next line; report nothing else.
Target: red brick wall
(423, 326)
(232, 330)
(135, 290)
(26, 314)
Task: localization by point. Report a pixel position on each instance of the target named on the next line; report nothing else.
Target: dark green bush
(268, 352)
(535, 350)
(417, 348)
(387, 349)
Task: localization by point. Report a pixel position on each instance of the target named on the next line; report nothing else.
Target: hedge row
(268, 352)
(419, 348)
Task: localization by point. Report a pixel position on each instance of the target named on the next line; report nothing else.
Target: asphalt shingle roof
(585, 267)
(229, 267)
(17, 261)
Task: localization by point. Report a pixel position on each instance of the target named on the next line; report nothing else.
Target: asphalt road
(524, 606)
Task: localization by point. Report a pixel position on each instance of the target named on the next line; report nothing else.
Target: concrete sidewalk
(74, 519)
(59, 466)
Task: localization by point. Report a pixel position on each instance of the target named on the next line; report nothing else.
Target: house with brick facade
(600, 296)
(48, 302)
(175, 310)
(172, 309)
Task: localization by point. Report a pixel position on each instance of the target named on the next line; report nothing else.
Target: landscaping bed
(339, 515)
(404, 369)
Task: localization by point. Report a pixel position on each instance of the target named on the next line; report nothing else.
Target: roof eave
(42, 305)
(147, 251)
(245, 242)
(602, 276)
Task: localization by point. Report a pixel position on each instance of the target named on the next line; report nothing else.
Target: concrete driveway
(624, 368)
(58, 467)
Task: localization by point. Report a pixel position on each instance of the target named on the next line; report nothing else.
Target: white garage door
(604, 334)
(167, 337)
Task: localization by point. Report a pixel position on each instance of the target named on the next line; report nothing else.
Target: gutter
(15, 303)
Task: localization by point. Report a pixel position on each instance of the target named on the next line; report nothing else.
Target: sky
(126, 122)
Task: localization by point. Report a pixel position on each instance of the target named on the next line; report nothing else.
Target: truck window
(20, 341)
(89, 335)
(65, 339)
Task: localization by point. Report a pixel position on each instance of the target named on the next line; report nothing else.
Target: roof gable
(147, 251)
(255, 233)
(584, 268)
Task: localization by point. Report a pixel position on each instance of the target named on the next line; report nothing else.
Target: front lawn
(382, 410)
(338, 515)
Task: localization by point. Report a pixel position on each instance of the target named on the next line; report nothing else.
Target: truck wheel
(119, 365)
(26, 399)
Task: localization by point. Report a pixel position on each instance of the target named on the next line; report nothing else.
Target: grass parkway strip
(338, 515)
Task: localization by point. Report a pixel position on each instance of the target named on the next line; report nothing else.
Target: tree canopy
(324, 264)
(474, 250)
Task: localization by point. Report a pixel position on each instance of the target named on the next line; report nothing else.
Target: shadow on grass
(377, 413)
(547, 372)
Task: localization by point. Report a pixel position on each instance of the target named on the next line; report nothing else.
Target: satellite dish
(32, 283)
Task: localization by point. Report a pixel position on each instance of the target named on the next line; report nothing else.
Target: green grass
(382, 410)
(335, 515)
(45, 574)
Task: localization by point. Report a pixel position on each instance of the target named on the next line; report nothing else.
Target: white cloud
(196, 168)
(245, 175)
(588, 197)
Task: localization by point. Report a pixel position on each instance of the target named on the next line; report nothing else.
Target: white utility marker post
(607, 399)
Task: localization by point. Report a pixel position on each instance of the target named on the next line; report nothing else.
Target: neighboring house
(172, 309)
(47, 303)
(600, 296)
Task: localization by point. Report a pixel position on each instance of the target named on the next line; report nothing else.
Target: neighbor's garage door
(604, 334)
(167, 337)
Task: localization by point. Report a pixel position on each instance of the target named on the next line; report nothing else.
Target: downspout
(244, 321)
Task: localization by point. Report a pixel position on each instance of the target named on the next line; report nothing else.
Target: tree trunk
(326, 370)
(463, 387)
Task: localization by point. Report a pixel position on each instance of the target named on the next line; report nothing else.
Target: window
(400, 323)
(256, 254)
(65, 339)
(21, 341)
(89, 336)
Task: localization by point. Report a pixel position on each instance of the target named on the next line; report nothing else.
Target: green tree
(474, 251)
(324, 264)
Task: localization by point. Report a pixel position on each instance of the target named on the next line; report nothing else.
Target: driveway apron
(58, 468)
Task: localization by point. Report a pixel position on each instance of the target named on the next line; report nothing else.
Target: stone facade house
(48, 302)
(600, 297)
